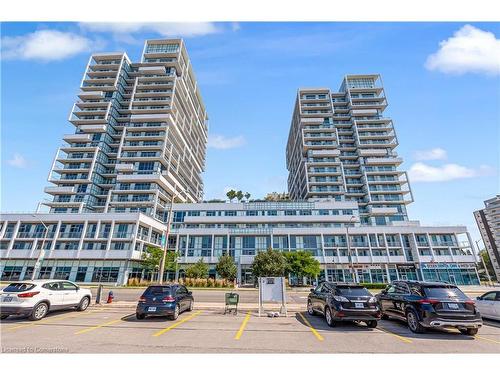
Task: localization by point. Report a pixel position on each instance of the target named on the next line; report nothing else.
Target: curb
(210, 307)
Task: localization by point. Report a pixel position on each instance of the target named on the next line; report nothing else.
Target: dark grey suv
(343, 302)
(430, 304)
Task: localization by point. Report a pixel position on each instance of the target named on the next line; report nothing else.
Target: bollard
(98, 295)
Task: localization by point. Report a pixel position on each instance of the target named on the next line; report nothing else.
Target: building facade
(488, 222)
(141, 135)
(342, 147)
(108, 247)
(140, 141)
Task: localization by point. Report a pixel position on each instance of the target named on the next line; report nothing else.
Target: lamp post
(41, 254)
(351, 265)
(165, 245)
(484, 264)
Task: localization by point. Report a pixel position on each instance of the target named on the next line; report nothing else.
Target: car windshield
(444, 292)
(158, 290)
(18, 287)
(353, 291)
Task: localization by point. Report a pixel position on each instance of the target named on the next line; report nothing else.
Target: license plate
(151, 308)
(453, 306)
(7, 299)
(359, 305)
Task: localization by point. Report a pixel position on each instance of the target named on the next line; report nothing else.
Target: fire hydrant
(110, 297)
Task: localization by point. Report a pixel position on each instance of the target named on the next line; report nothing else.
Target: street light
(351, 265)
(484, 264)
(165, 245)
(41, 254)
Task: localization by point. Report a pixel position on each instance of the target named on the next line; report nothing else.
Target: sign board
(272, 289)
(163, 240)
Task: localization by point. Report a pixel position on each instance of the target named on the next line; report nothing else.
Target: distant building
(488, 222)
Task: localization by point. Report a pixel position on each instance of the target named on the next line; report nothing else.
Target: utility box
(272, 289)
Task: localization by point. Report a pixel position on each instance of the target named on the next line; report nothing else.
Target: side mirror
(479, 298)
(312, 290)
(190, 293)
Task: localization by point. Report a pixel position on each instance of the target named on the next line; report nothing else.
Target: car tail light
(168, 299)
(429, 301)
(27, 294)
(470, 302)
(142, 299)
(340, 314)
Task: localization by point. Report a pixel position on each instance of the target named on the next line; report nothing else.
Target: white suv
(35, 298)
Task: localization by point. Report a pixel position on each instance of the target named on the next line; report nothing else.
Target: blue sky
(441, 81)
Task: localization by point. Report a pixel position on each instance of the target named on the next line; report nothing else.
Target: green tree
(231, 194)
(151, 259)
(239, 195)
(226, 267)
(484, 254)
(247, 196)
(302, 264)
(198, 270)
(269, 263)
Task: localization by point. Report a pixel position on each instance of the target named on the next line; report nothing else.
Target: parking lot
(113, 329)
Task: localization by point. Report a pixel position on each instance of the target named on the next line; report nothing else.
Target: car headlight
(340, 299)
(372, 300)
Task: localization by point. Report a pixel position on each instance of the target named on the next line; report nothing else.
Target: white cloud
(18, 161)
(46, 45)
(469, 50)
(170, 29)
(432, 154)
(421, 172)
(221, 142)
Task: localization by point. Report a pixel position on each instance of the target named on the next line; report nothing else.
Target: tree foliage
(302, 264)
(231, 194)
(151, 258)
(269, 263)
(226, 267)
(199, 270)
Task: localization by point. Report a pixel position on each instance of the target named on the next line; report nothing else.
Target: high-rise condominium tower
(141, 134)
(341, 147)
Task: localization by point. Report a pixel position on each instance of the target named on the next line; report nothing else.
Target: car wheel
(39, 311)
(469, 331)
(2, 317)
(177, 311)
(413, 323)
(371, 324)
(140, 316)
(84, 303)
(310, 309)
(190, 308)
(329, 317)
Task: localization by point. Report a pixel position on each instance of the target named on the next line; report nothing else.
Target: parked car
(36, 298)
(489, 305)
(164, 300)
(430, 304)
(343, 302)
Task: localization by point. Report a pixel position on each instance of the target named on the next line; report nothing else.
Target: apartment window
(324, 212)
(290, 212)
(230, 213)
(162, 48)
(146, 166)
(272, 213)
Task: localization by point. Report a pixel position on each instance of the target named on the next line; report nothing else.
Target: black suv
(343, 302)
(429, 304)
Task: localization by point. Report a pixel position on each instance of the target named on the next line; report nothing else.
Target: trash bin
(232, 300)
